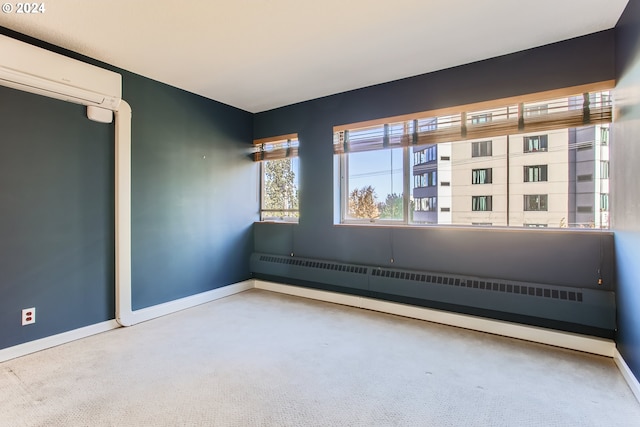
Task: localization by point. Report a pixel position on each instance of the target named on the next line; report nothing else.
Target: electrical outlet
(28, 316)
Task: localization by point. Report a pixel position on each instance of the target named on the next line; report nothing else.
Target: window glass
(481, 203)
(280, 189)
(535, 143)
(535, 202)
(375, 185)
(481, 176)
(553, 178)
(535, 173)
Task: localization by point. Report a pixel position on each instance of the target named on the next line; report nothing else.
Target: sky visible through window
(382, 169)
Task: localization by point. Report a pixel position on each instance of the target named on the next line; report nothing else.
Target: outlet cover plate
(28, 316)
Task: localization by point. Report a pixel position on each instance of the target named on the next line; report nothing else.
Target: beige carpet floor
(264, 359)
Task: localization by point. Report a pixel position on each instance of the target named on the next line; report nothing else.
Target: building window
(604, 135)
(279, 171)
(535, 202)
(480, 118)
(445, 209)
(481, 176)
(604, 169)
(585, 209)
(426, 204)
(536, 143)
(445, 158)
(424, 156)
(481, 149)
(604, 202)
(445, 184)
(535, 173)
(427, 179)
(536, 110)
(481, 203)
(585, 178)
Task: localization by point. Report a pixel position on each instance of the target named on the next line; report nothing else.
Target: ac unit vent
(533, 291)
(315, 264)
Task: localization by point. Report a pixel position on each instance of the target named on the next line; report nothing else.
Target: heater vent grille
(487, 285)
(577, 307)
(315, 264)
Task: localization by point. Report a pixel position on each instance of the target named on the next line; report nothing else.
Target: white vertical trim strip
(123, 214)
(56, 340)
(588, 344)
(629, 377)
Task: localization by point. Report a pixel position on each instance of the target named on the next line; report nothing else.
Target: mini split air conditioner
(32, 69)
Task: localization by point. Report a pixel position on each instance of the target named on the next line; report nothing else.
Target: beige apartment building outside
(507, 206)
(552, 179)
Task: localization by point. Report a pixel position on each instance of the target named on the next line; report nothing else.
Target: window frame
(344, 194)
(431, 207)
(476, 175)
(284, 147)
(488, 151)
(541, 197)
(543, 170)
(398, 139)
(488, 203)
(541, 138)
(604, 202)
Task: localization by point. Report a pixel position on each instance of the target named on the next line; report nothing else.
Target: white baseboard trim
(152, 312)
(588, 344)
(567, 340)
(56, 340)
(138, 315)
(631, 379)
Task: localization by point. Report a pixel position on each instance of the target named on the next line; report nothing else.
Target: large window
(515, 164)
(279, 166)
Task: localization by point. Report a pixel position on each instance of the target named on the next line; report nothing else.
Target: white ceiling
(262, 54)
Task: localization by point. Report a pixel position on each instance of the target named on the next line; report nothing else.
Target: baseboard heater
(594, 309)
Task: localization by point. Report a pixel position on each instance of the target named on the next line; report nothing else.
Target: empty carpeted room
(365, 213)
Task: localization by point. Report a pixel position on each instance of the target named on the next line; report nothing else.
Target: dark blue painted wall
(194, 203)
(554, 257)
(625, 157)
(56, 217)
(193, 193)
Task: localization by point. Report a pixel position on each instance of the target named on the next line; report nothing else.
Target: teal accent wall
(193, 203)
(553, 257)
